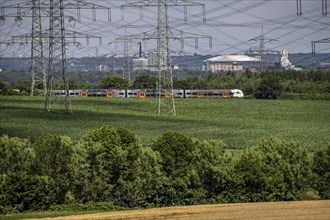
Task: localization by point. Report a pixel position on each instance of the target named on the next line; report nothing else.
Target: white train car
(214, 93)
(151, 93)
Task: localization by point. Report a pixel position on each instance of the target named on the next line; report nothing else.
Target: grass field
(266, 211)
(238, 122)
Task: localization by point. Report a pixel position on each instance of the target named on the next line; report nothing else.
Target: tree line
(111, 165)
(286, 84)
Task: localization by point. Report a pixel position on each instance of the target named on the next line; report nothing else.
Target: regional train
(151, 93)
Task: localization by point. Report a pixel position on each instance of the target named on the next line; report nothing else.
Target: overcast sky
(230, 23)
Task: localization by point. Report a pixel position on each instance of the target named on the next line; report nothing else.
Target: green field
(238, 122)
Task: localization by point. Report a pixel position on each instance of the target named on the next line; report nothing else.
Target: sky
(234, 26)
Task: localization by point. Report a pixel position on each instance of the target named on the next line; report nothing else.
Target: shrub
(22, 192)
(274, 170)
(53, 159)
(16, 155)
(321, 169)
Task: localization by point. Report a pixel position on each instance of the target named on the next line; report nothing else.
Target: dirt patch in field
(314, 210)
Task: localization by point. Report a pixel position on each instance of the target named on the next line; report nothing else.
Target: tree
(16, 155)
(23, 192)
(321, 169)
(274, 170)
(145, 82)
(113, 166)
(53, 159)
(215, 169)
(269, 88)
(113, 82)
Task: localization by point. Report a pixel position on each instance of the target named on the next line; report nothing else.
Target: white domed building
(229, 63)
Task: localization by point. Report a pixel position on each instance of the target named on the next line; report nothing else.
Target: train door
(142, 94)
(200, 94)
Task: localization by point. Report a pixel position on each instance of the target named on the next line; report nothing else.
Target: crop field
(238, 122)
(266, 211)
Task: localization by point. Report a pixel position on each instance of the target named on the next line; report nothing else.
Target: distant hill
(191, 62)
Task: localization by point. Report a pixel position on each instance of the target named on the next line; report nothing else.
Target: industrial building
(229, 63)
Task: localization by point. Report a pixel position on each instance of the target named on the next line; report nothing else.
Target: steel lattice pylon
(262, 49)
(164, 65)
(56, 73)
(126, 71)
(55, 76)
(38, 72)
(163, 35)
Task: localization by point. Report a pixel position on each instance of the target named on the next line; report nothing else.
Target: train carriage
(151, 93)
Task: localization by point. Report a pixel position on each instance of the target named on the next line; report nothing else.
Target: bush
(90, 206)
(16, 155)
(274, 170)
(195, 171)
(269, 88)
(22, 192)
(53, 159)
(321, 168)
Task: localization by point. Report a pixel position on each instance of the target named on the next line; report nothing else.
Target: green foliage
(214, 169)
(145, 82)
(321, 170)
(21, 192)
(108, 168)
(16, 155)
(274, 170)
(89, 206)
(53, 159)
(113, 82)
(269, 88)
(116, 168)
(195, 170)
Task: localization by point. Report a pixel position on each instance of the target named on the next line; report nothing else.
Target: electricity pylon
(38, 71)
(325, 40)
(127, 68)
(56, 72)
(262, 49)
(324, 7)
(163, 34)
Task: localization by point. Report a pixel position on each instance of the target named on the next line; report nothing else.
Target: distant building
(153, 59)
(229, 63)
(140, 64)
(103, 68)
(285, 62)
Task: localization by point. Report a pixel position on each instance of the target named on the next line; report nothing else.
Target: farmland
(238, 122)
(278, 210)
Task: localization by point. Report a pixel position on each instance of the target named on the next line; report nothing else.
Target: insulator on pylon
(324, 8)
(78, 45)
(21, 45)
(78, 14)
(141, 12)
(204, 13)
(2, 20)
(109, 14)
(185, 14)
(72, 21)
(299, 11)
(94, 13)
(18, 20)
